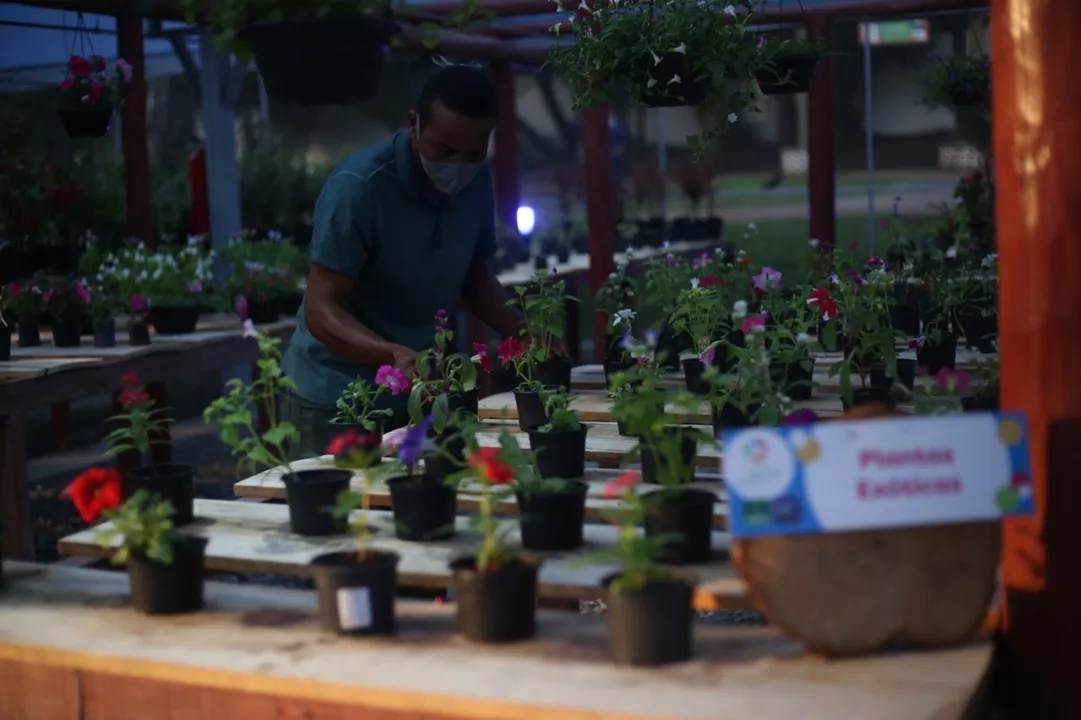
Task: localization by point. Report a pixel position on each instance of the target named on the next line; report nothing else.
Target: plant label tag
(879, 473)
(354, 608)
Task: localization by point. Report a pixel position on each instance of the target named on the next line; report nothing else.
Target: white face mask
(447, 177)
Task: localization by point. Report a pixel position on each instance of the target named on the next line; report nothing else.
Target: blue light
(526, 220)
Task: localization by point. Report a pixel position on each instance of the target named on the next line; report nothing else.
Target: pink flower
(952, 381)
(137, 303)
(766, 279)
(483, 357)
(240, 302)
(67, 84)
(79, 66)
(510, 349)
(707, 356)
(753, 323)
(441, 317)
(701, 261)
(392, 379)
(125, 69)
(49, 296)
(247, 329)
(83, 294)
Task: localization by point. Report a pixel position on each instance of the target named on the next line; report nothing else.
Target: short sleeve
(486, 244)
(342, 230)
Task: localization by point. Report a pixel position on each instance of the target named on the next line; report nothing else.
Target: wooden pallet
(37, 367)
(121, 351)
(255, 538)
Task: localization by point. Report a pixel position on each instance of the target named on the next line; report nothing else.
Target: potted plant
(138, 330)
(356, 409)
(697, 316)
(747, 395)
(627, 388)
(67, 307)
(957, 81)
(616, 301)
(425, 503)
(356, 588)
(262, 274)
(140, 424)
(528, 393)
(560, 443)
(495, 589)
(91, 90)
(664, 278)
(944, 396)
(685, 54)
(649, 613)
(166, 568)
(936, 348)
(26, 302)
(102, 305)
(787, 65)
(447, 381)
(544, 307)
(787, 338)
(986, 378)
(310, 494)
(293, 43)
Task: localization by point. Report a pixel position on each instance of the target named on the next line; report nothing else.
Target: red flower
(98, 61)
(510, 349)
(15, 289)
(130, 397)
(130, 379)
(94, 491)
(1019, 480)
(745, 261)
(710, 281)
(80, 66)
(483, 358)
(490, 466)
(68, 82)
(821, 299)
(624, 482)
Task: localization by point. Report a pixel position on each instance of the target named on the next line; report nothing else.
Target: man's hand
(405, 360)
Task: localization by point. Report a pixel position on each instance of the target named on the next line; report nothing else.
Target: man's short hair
(462, 89)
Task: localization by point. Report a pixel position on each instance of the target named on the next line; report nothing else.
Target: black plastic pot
(790, 74)
(5, 346)
(89, 123)
(687, 513)
(692, 376)
(554, 373)
(869, 396)
(553, 521)
(730, 417)
(560, 454)
(105, 333)
(262, 313)
(713, 228)
(531, 411)
(796, 379)
(174, 320)
(906, 375)
(451, 459)
(425, 507)
(980, 403)
(174, 483)
(29, 335)
(139, 334)
(356, 598)
(690, 90)
(650, 626)
(497, 606)
(312, 496)
(466, 401)
(935, 356)
(292, 57)
(160, 589)
(370, 441)
(66, 334)
(651, 464)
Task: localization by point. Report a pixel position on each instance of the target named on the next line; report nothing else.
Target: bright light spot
(526, 220)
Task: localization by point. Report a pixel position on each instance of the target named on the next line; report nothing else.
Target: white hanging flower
(730, 10)
(739, 309)
(675, 79)
(813, 242)
(681, 49)
(656, 59)
(731, 118)
(695, 282)
(951, 252)
(621, 317)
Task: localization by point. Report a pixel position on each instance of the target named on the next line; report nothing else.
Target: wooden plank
(260, 642)
(268, 485)
(87, 350)
(39, 367)
(251, 537)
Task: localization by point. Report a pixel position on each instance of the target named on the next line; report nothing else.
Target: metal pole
(662, 162)
(870, 135)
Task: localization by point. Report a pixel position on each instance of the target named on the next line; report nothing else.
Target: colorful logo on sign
(757, 451)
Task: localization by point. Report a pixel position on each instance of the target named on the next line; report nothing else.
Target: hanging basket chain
(82, 38)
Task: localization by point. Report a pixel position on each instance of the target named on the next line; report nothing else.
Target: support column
(505, 164)
(133, 130)
(1038, 225)
(219, 82)
(821, 152)
(597, 176)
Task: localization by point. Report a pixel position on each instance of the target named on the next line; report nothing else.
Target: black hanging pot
(325, 61)
(665, 92)
(86, 123)
(967, 94)
(789, 74)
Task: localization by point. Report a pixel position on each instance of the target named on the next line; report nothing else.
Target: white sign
(354, 608)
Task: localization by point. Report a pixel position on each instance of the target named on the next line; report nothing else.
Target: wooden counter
(72, 648)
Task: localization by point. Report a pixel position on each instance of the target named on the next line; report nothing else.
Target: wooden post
(133, 129)
(505, 163)
(599, 212)
(1037, 129)
(821, 150)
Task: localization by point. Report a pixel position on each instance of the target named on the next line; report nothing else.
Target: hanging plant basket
(967, 95)
(667, 91)
(788, 73)
(329, 61)
(88, 123)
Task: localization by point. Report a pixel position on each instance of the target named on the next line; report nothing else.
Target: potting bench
(72, 643)
(255, 538)
(30, 382)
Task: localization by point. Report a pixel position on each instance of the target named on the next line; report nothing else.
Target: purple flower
(670, 259)
(708, 356)
(441, 317)
(766, 280)
(803, 416)
(196, 286)
(240, 302)
(137, 303)
(415, 442)
(253, 267)
(82, 293)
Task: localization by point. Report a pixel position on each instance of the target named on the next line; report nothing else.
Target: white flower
(741, 252)
(681, 49)
(804, 338)
(695, 282)
(951, 252)
(248, 329)
(656, 59)
(752, 227)
(739, 310)
(675, 79)
(665, 245)
(730, 10)
(731, 118)
(621, 317)
(813, 242)
(612, 276)
(990, 260)
(758, 329)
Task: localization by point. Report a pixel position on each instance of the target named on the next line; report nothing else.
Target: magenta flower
(708, 356)
(441, 316)
(392, 379)
(766, 280)
(196, 286)
(240, 302)
(753, 323)
(701, 261)
(951, 381)
(125, 68)
(803, 416)
(83, 294)
(137, 303)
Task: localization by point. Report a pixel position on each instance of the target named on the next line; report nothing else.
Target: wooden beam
(822, 138)
(1037, 130)
(133, 128)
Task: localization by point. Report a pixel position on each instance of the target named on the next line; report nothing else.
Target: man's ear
(412, 121)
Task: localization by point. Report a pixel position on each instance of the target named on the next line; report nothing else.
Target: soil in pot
(935, 356)
(29, 335)
(653, 625)
(356, 597)
(174, 483)
(686, 513)
(554, 373)
(66, 334)
(730, 417)
(980, 403)
(497, 606)
(791, 74)
(312, 496)
(160, 589)
(139, 334)
(553, 521)
(560, 454)
(425, 507)
(796, 379)
(174, 320)
(105, 333)
(906, 375)
(531, 412)
(654, 467)
(82, 124)
(5, 346)
(370, 441)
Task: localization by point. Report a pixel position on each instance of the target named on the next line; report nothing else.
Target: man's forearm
(487, 299)
(348, 337)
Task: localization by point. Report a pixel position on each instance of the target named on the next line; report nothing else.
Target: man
(402, 230)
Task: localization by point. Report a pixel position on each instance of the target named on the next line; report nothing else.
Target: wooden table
(255, 538)
(57, 381)
(73, 647)
(268, 485)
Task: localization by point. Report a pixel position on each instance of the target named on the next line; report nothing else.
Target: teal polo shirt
(408, 251)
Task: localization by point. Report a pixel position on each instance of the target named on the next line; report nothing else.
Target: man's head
(452, 124)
